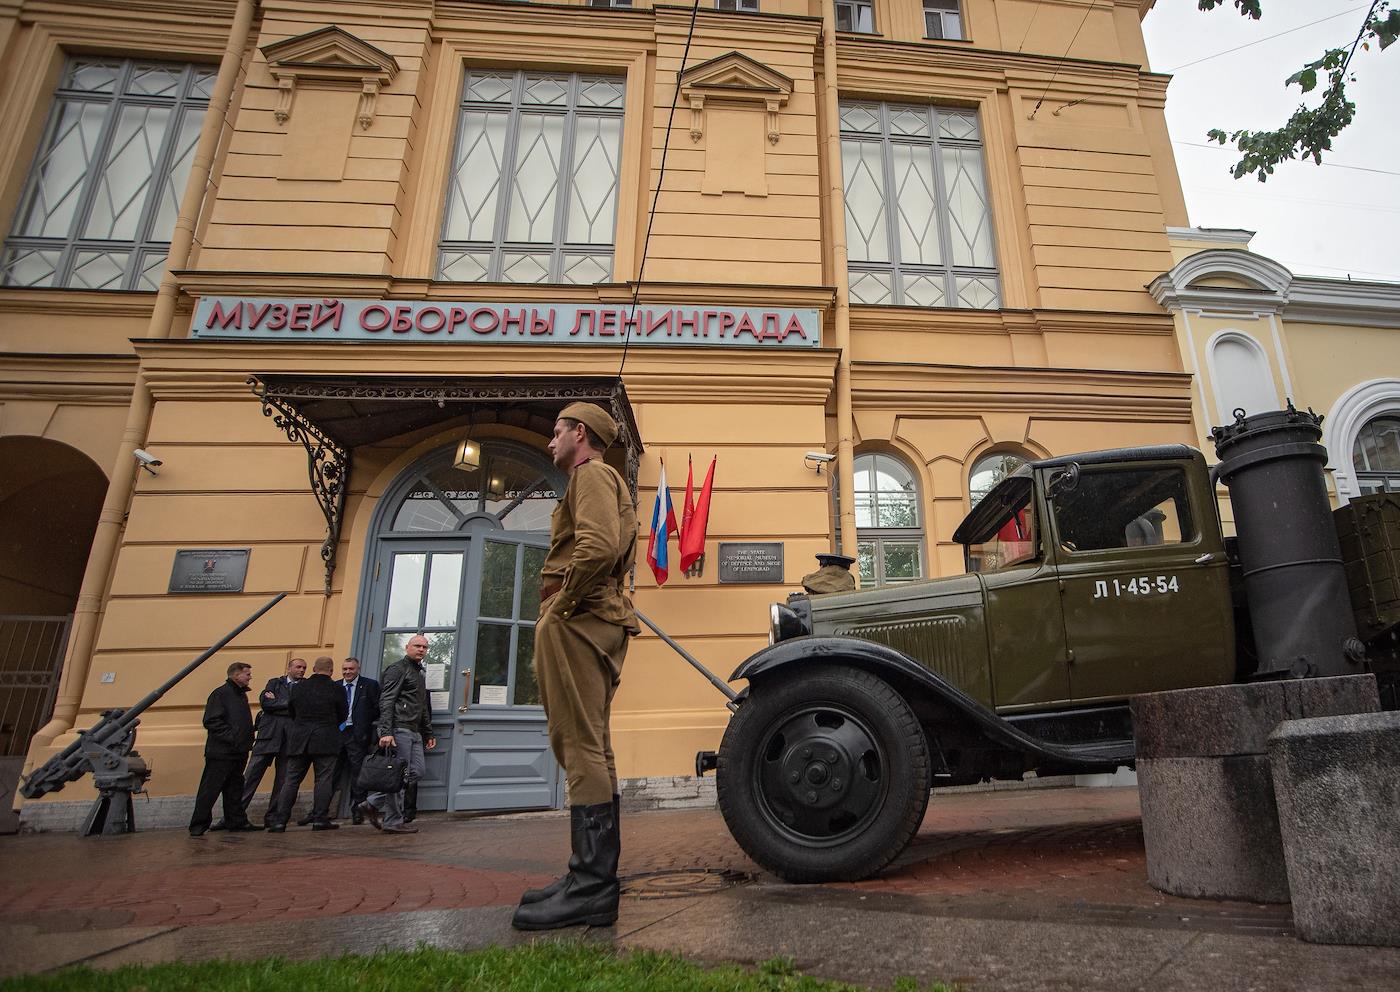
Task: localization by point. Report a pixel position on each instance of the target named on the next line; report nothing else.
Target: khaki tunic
(585, 620)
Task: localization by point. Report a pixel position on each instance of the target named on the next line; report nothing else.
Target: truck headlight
(783, 623)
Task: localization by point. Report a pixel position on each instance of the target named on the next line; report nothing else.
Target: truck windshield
(1014, 539)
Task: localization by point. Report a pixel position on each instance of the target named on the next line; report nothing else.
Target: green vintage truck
(1091, 578)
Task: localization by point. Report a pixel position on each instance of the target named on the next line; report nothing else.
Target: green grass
(542, 967)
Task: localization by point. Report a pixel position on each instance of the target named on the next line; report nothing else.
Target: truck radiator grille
(936, 644)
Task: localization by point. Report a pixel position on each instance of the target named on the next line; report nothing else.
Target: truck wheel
(823, 774)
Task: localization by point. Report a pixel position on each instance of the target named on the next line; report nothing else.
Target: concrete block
(1337, 780)
(1238, 719)
(1210, 828)
(1208, 814)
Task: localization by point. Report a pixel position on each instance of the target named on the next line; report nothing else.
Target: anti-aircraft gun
(108, 751)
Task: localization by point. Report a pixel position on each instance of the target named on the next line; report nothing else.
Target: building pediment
(329, 57)
(735, 78)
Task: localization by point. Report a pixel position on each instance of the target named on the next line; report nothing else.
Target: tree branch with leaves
(1309, 132)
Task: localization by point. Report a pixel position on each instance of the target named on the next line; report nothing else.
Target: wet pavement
(1025, 890)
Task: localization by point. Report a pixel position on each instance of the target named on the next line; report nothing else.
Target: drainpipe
(836, 232)
(88, 613)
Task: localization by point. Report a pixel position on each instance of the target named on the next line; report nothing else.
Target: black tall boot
(575, 824)
(589, 892)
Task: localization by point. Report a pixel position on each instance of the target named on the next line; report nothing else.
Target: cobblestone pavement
(1033, 887)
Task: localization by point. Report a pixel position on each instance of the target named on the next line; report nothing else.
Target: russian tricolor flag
(663, 525)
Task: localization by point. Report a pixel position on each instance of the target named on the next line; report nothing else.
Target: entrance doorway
(457, 555)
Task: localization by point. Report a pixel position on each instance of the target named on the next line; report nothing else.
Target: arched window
(514, 489)
(989, 470)
(1376, 455)
(889, 533)
(1239, 373)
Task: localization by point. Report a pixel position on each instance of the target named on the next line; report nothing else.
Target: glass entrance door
(458, 557)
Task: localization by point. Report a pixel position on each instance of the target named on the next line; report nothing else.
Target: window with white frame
(943, 19)
(918, 221)
(1376, 455)
(738, 6)
(105, 187)
(533, 192)
(626, 4)
(889, 536)
(855, 15)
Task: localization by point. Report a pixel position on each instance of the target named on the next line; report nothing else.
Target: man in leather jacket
(406, 724)
(272, 726)
(230, 727)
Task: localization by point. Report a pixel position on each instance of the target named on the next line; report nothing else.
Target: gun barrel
(66, 766)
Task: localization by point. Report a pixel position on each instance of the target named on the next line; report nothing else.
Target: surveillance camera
(820, 456)
(147, 460)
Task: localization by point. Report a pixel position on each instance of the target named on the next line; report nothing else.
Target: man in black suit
(357, 735)
(270, 744)
(318, 710)
(230, 726)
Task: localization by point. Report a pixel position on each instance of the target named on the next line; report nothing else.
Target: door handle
(466, 690)
(1205, 559)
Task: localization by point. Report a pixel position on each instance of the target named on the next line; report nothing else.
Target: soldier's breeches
(579, 662)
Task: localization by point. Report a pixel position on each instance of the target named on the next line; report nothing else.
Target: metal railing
(31, 657)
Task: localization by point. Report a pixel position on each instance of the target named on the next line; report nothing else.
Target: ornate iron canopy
(330, 416)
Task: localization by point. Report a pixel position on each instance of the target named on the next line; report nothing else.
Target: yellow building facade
(296, 251)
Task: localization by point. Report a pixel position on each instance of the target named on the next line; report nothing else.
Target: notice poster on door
(441, 700)
(492, 695)
(436, 676)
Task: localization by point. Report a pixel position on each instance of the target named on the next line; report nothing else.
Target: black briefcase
(382, 771)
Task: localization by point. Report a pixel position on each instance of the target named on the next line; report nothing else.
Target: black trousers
(347, 770)
(222, 777)
(257, 768)
(297, 766)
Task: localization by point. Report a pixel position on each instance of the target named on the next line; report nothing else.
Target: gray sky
(1317, 220)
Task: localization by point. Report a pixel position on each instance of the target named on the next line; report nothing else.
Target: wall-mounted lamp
(147, 460)
(497, 486)
(816, 459)
(468, 455)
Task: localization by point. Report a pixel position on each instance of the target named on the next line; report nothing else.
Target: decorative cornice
(954, 321)
(329, 56)
(77, 302)
(1211, 235)
(734, 78)
(1317, 300)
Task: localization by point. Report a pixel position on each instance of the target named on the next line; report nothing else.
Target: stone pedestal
(1208, 815)
(1337, 781)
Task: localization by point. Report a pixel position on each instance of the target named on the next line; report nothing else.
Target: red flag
(693, 537)
(688, 509)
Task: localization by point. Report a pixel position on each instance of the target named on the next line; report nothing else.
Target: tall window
(888, 534)
(533, 191)
(1376, 455)
(988, 471)
(105, 187)
(918, 224)
(943, 19)
(855, 15)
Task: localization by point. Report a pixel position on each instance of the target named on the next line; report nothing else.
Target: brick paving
(1074, 842)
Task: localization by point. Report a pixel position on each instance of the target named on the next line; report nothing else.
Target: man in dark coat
(270, 744)
(318, 710)
(230, 725)
(406, 724)
(357, 736)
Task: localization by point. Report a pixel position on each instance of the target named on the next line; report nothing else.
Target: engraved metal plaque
(209, 570)
(751, 561)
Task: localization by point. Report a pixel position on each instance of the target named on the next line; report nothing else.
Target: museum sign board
(334, 319)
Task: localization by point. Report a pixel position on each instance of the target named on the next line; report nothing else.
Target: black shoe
(402, 828)
(243, 828)
(198, 831)
(325, 825)
(276, 828)
(305, 820)
(218, 825)
(589, 893)
(356, 818)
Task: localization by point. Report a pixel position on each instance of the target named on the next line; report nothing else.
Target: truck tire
(823, 774)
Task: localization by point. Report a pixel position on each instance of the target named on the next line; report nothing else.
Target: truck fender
(907, 675)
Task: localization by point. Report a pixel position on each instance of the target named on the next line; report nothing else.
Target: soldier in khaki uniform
(581, 637)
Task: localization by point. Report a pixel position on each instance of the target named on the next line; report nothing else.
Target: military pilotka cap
(595, 418)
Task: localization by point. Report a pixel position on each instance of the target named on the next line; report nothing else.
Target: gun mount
(108, 750)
